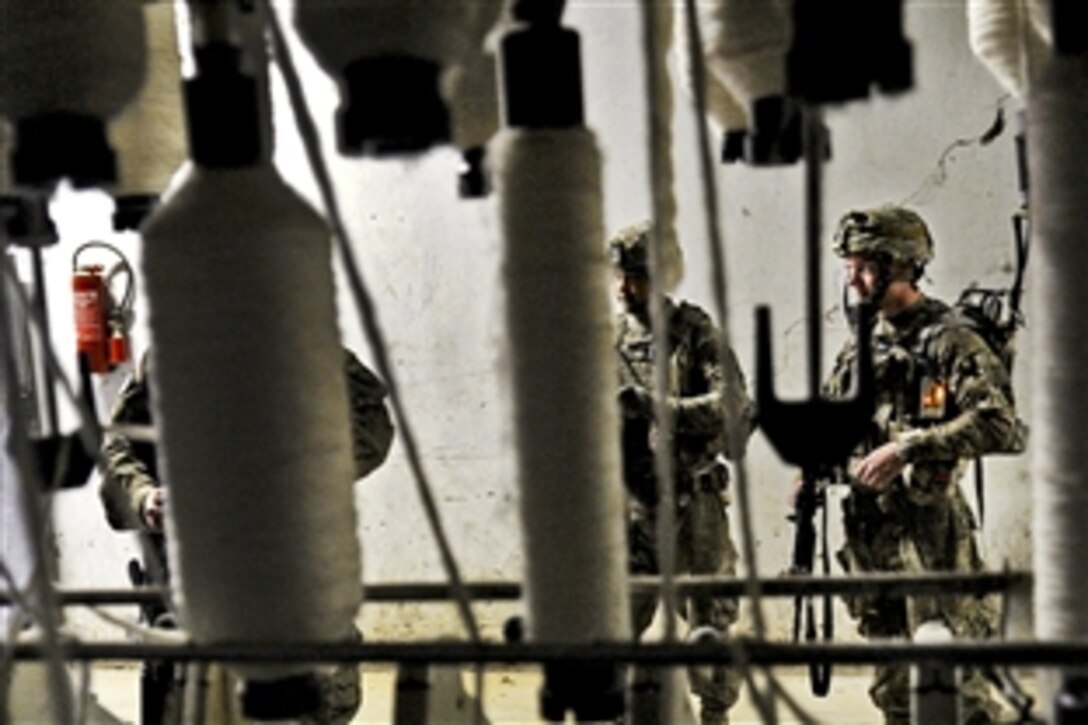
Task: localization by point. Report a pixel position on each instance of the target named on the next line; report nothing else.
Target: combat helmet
(629, 251)
(894, 232)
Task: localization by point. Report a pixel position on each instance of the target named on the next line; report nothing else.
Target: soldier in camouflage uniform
(943, 398)
(134, 499)
(703, 390)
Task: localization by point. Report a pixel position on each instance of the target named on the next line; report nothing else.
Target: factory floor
(511, 696)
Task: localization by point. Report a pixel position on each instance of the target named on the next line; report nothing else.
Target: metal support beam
(740, 649)
(885, 585)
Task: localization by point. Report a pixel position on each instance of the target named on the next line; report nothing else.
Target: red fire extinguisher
(101, 322)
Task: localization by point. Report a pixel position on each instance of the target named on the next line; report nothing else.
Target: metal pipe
(753, 653)
(886, 585)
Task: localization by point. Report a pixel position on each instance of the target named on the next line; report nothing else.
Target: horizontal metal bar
(752, 652)
(887, 585)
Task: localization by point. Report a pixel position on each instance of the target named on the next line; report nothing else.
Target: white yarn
(251, 399)
(1058, 142)
(338, 33)
(722, 107)
(1006, 43)
(1039, 16)
(745, 46)
(70, 55)
(472, 84)
(149, 135)
(559, 324)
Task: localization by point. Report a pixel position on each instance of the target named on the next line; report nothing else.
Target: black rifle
(812, 497)
(160, 680)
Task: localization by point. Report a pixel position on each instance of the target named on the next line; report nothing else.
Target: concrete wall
(432, 264)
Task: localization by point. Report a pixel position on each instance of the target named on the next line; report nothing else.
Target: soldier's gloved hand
(636, 402)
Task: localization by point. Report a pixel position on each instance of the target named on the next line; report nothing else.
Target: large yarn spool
(149, 135)
(722, 106)
(745, 45)
(472, 90)
(68, 67)
(560, 331)
(1008, 39)
(389, 59)
(473, 83)
(744, 48)
(251, 401)
(1058, 145)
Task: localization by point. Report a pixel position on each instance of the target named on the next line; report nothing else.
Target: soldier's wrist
(910, 446)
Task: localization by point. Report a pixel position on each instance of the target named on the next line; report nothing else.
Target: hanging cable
(371, 326)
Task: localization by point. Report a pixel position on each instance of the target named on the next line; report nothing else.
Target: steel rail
(1018, 653)
(886, 585)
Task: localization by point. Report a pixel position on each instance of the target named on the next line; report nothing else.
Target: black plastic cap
(130, 210)
(1068, 26)
(222, 110)
(513, 630)
(537, 12)
(893, 67)
(26, 220)
(57, 145)
(822, 73)
(472, 179)
(542, 78)
(1071, 702)
(840, 50)
(775, 136)
(732, 148)
(895, 73)
(592, 691)
(822, 65)
(391, 105)
(283, 699)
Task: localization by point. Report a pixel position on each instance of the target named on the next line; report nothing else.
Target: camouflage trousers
(218, 688)
(891, 533)
(704, 546)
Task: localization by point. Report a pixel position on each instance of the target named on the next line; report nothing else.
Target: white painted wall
(432, 264)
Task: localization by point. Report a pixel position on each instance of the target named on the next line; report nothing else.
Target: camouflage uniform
(132, 474)
(946, 398)
(701, 389)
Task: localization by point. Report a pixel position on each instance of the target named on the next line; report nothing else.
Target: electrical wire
(939, 176)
